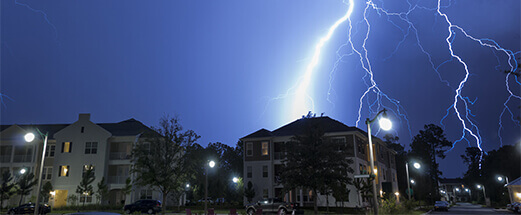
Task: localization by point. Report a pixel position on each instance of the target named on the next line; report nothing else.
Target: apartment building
(71, 149)
(264, 155)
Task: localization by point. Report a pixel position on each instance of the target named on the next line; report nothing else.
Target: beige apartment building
(71, 149)
(264, 155)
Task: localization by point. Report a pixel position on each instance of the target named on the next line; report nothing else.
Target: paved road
(467, 208)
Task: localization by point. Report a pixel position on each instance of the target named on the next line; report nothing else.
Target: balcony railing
(279, 155)
(22, 158)
(117, 179)
(5, 159)
(119, 156)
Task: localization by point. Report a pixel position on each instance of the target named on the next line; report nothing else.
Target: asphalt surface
(467, 208)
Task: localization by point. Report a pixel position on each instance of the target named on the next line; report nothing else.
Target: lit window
(67, 147)
(91, 147)
(64, 171)
(249, 149)
(264, 148)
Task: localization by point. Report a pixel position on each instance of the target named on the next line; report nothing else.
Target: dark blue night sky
(229, 68)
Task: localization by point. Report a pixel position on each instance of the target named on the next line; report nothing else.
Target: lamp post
(385, 124)
(500, 178)
(211, 164)
(29, 137)
(235, 180)
(417, 166)
(484, 193)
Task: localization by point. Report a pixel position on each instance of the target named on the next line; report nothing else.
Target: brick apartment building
(264, 155)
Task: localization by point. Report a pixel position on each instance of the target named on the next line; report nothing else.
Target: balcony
(119, 156)
(22, 159)
(117, 179)
(5, 159)
(279, 155)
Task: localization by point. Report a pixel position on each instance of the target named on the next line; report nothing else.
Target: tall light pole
(417, 166)
(484, 193)
(500, 178)
(385, 124)
(29, 137)
(211, 164)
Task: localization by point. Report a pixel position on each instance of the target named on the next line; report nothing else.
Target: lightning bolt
(44, 16)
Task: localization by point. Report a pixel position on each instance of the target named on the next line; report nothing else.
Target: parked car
(144, 206)
(514, 206)
(441, 206)
(29, 209)
(210, 201)
(273, 205)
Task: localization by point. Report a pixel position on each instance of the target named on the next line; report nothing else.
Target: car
(273, 205)
(441, 206)
(210, 201)
(148, 206)
(29, 209)
(514, 206)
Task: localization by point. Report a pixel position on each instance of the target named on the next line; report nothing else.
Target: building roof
(130, 127)
(515, 182)
(329, 125)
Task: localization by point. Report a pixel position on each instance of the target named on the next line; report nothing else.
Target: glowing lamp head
(416, 165)
(457, 189)
(397, 194)
(385, 123)
(187, 185)
(211, 164)
(499, 178)
(412, 181)
(29, 137)
(466, 189)
(22, 171)
(235, 179)
(479, 186)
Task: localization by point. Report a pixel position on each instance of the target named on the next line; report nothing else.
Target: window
(91, 147)
(264, 148)
(145, 194)
(340, 142)
(249, 149)
(265, 193)
(82, 129)
(249, 172)
(86, 168)
(67, 147)
(49, 151)
(64, 171)
(264, 171)
(47, 173)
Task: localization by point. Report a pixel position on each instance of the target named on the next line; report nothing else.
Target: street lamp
(385, 124)
(22, 171)
(235, 180)
(412, 181)
(417, 166)
(484, 193)
(211, 164)
(29, 137)
(500, 178)
(187, 185)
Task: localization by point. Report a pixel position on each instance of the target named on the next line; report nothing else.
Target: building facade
(71, 150)
(264, 157)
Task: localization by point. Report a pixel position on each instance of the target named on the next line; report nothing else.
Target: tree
(25, 185)
(428, 145)
(85, 188)
(102, 192)
(46, 189)
(339, 192)
(160, 160)
(364, 187)
(249, 192)
(127, 189)
(6, 187)
(400, 158)
(313, 160)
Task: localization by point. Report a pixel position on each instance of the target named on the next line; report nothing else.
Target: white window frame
(91, 148)
(249, 149)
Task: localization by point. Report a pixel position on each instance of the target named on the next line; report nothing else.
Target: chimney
(84, 117)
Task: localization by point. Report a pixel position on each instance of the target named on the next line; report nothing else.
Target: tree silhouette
(25, 185)
(85, 188)
(6, 187)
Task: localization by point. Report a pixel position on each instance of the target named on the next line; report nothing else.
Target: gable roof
(329, 125)
(516, 181)
(130, 127)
